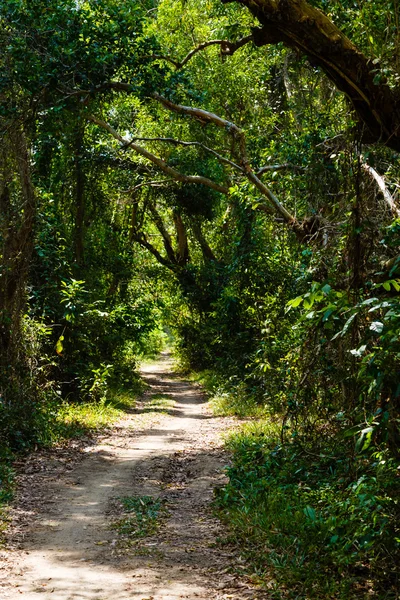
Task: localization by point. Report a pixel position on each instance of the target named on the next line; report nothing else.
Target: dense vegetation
(227, 172)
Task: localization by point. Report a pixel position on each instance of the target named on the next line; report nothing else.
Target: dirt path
(67, 547)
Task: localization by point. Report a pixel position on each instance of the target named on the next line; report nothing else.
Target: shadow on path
(72, 550)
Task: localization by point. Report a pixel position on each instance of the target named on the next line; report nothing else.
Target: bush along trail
(129, 515)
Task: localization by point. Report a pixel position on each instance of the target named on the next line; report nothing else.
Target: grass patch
(6, 479)
(228, 398)
(312, 525)
(3, 524)
(74, 420)
(161, 403)
(77, 419)
(142, 516)
(6, 493)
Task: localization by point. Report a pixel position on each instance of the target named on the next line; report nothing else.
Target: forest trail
(68, 548)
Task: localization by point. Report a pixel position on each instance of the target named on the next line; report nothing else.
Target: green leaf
(334, 539)
(369, 301)
(351, 432)
(327, 314)
(364, 441)
(310, 513)
(326, 289)
(376, 326)
(358, 352)
(59, 345)
(295, 302)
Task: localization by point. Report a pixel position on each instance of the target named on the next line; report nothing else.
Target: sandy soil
(61, 542)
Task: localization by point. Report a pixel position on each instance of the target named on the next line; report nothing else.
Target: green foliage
(112, 254)
(85, 45)
(74, 420)
(374, 322)
(229, 397)
(6, 481)
(312, 523)
(143, 516)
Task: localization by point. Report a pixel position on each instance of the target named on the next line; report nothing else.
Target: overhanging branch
(238, 134)
(183, 143)
(227, 49)
(177, 175)
(154, 183)
(382, 186)
(299, 25)
(274, 206)
(282, 167)
(140, 239)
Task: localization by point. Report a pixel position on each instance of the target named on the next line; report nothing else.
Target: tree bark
(301, 26)
(208, 254)
(16, 233)
(182, 240)
(158, 222)
(80, 199)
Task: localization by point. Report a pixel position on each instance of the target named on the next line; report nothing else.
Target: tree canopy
(226, 172)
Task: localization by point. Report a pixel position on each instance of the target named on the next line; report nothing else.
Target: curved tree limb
(382, 186)
(183, 143)
(204, 116)
(299, 25)
(177, 175)
(181, 240)
(153, 183)
(238, 134)
(281, 167)
(208, 254)
(141, 239)
(227, 49)
(274, 205)
(164, 234)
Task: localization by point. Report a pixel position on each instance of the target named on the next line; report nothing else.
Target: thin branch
(181, 239)
(279, 168)
(140, 239)
(238, 134)
(182, 143)
(208, 254)
(227, 49)
(382, 186)
(204, 116)
(165, 235)
(177, 175)
(155, 183)
(279, 208)
(232, 129)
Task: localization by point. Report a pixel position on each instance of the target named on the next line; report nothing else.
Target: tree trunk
(79, 198)
(17, 219)
(182, 241)
(301, 26)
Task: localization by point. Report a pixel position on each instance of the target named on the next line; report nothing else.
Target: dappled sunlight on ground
(74, 549)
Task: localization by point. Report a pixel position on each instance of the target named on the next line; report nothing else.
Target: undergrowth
(228, 398)
(74, 420)
(310, 524)
(6, 490)
(159, 403)
(142, 517)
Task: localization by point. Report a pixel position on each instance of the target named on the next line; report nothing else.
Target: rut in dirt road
(74, 553)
